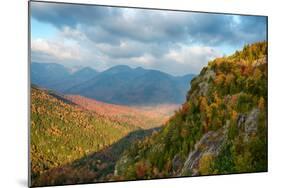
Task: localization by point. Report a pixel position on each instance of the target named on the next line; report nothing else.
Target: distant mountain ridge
(117, 85)
(57, 77)
(47, 74)
(128, 86)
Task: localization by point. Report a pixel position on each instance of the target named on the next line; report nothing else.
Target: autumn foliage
(221, 97)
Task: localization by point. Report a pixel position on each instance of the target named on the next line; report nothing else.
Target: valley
(86, 136)
(219, 128)
(125, 93)
(144, 117)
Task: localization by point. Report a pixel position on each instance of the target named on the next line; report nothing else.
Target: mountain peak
(75, 69)
(86, 70)
(118, 68)
(139, 68)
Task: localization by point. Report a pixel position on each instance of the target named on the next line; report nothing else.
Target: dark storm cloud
(253, 27)
(111, 25)
(217, 29)
(70, 15)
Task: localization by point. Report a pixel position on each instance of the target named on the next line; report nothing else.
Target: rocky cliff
(220, 129)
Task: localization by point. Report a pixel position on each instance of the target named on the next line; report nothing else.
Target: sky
(101, 37)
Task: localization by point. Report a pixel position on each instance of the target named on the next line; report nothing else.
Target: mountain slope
(74, 79)
(47, 74)
(127, 86)
(93, 167)
(117, 85)
(221, 128)
(62, 132)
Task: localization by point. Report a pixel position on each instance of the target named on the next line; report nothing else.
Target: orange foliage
(261, 103)
(219, 79)
(140, 169)
(234, 115)
(185, 107)
(145, 117)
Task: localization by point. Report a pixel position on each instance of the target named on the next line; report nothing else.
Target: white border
(13, 100)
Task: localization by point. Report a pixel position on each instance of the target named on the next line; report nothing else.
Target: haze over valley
(118, 85)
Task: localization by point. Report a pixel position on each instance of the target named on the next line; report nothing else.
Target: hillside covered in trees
(220, 129)
(62, 132)
(76, 139)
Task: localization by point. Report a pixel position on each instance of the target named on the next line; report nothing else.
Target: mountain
(124, 85)
(47, 74)
(221, 128)
(74, 69)
(85, 73)
(57, 77)
(76, 139)
(62, 132)
(117, 85)
(74, 79)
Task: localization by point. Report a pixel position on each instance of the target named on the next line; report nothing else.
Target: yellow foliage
(203, 104)
(261, 103)
(219, 79)
(234, 115)
(205, 164)
(257, 74)
(228, 79)
(218, 100)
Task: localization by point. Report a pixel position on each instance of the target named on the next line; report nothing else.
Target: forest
(221, 128)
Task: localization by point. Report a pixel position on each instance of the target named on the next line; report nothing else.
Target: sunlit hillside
(220, 129)
(144, 117)
(61, 132)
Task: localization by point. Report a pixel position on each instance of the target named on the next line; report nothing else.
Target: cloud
(55, 50)
(192, 58)
(102, 37)
(69, 15)
(107, 24)
(180, 61)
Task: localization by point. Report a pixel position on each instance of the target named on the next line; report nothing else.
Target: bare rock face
(209, 144)
(241, 120)
(212, 142)
(177, 164)
(248, 123)
(209, 74)
(251, 124)
(251, 121)
(204, 86)
(203, 83)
